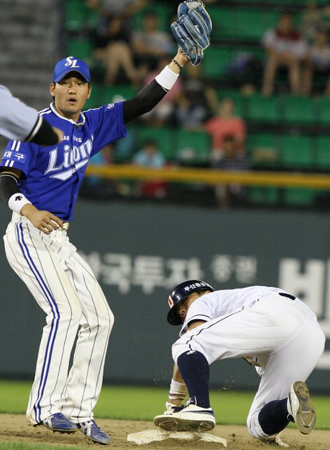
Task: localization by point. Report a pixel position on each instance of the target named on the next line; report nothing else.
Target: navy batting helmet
(180, 293)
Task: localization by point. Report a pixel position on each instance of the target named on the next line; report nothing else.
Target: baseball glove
(192, 30)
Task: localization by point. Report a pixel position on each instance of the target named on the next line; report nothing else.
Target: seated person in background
(196, 103)
(311, 19)
(226, 123)
(318, 61)
(229, 158)
(150, 44)
(285, 47)
(150, 156)
(113, 37)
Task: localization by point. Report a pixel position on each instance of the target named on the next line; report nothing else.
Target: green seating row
(242, 23)
(178, 144)
(79, 16)
(291, 151)
(269, 196)
(285, 109)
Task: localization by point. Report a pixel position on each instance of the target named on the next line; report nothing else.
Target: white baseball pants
(66, 289)
(283, 335)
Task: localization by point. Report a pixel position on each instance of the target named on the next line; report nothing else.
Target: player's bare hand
(59, 133)
(44, 221)
(181, 57)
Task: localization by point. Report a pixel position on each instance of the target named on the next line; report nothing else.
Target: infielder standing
(41, 186)
(270, 328)
(19, 121)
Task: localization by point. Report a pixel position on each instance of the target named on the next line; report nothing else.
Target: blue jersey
(53, 175)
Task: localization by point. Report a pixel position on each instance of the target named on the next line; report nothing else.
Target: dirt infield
(15, 428)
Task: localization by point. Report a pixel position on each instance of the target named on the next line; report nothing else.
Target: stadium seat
(80, 48)
(322, 154)
(298, 110)
(226, 61)
(263, 149)
(263, 195)
(96, 98)
(240, 23)
(263, 109)
(196, 143)
(216, 62)
(76, 15)
(165, 12)
(297, 151)
(117, 93)
(323, 110)
(299, 197)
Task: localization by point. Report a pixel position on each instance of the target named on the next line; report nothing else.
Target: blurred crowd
(303, 51)
(298, 52)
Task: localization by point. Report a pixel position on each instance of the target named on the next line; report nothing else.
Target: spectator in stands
(313, 19)
(229, 158)
(197, 101)
(113, 37)
(150, 45)
(163, 113)
(310, 21)
(150, 156)
(286, 48)
(226, 123)
(318, 61)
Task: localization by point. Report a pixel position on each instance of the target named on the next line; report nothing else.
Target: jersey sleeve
(201, 309)
(17, 120)
(19, 155)
(107, 124)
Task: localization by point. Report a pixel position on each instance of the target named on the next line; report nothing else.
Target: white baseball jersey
(224, 302)
(280, 335)
(17, 120)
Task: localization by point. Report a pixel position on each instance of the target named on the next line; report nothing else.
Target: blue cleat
(93, 432)
(57, 422)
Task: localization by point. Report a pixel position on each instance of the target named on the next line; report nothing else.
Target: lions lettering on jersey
(53, 175)
(74, 158)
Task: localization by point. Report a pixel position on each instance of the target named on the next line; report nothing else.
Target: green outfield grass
(141, 403)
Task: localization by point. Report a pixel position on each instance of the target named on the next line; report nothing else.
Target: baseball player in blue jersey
(19, 121)
(41, 185)
(270, 328)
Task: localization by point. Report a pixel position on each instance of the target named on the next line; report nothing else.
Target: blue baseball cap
(71, 64)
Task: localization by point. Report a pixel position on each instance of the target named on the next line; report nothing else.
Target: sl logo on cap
(71, 62)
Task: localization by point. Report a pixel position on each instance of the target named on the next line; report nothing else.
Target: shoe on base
(57, 422)
(190, 418)
(301, 408)
(93, 432)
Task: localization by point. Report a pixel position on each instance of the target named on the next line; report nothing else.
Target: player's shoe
(275, 441)
(189, 418)
(57, 422)
(93, 432)
(301, 408)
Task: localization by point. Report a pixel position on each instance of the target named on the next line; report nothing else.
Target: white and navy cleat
(57, 422)
(189, 418)
(93, 432)
(301, 408)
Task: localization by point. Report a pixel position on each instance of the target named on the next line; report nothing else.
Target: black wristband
(45, 134)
